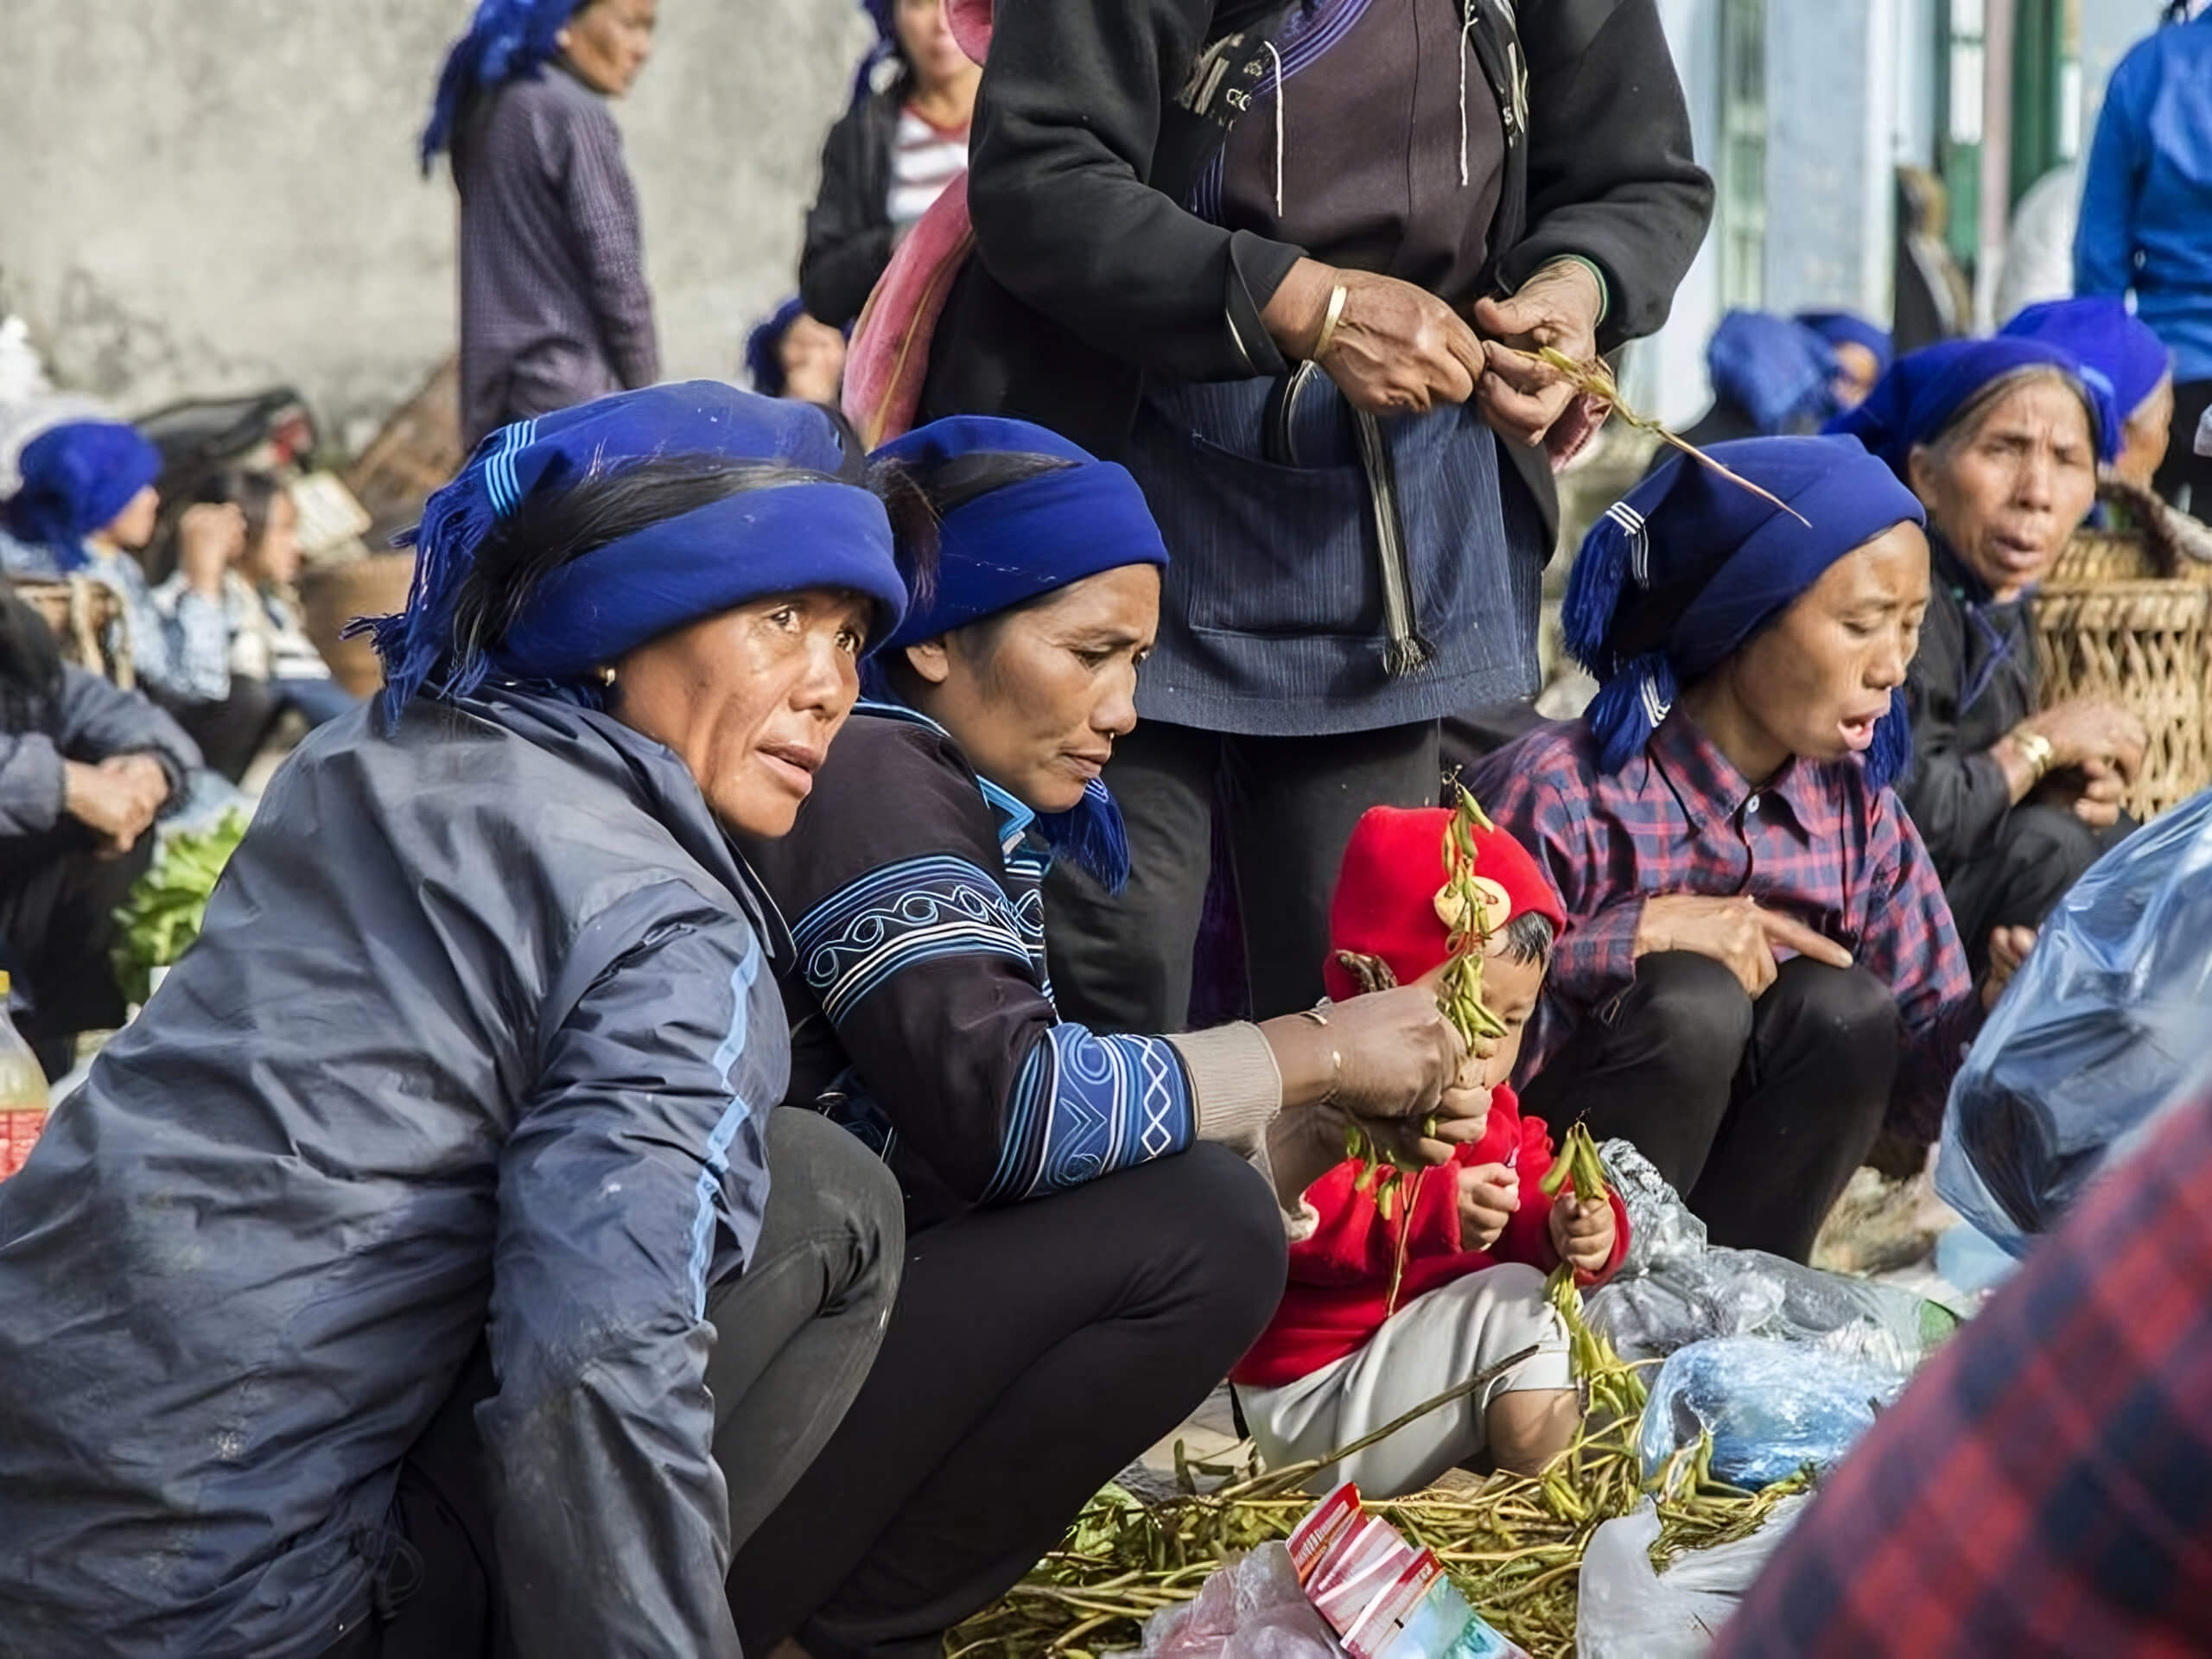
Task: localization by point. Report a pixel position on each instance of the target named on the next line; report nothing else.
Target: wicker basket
(86, 617)
(333, 594)
(2147, 647)
(2101, 556)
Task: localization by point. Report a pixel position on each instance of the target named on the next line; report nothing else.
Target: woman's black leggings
(1757, 1112)
(1034, 1351)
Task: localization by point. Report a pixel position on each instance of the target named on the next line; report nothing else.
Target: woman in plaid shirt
(1759, 966)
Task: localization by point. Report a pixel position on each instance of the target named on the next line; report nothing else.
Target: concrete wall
(200, 196)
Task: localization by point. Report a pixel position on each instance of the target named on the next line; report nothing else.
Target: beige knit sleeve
(1238, 1093)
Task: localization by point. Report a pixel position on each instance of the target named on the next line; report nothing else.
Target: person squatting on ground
(1999, 440)
(1087, 1252)
(85, 769)
(87, 506)
(554, 307)
(1385, 1313)
(1247, 250)
(380, 1292)
(1759, 964)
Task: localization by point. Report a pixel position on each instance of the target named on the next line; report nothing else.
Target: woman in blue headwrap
(2001, 439)
(1759, 967)
(379, 1292)
(1089, 1253)
(1863, 352)
(554, 306)
(1770, 375)
(790, 354)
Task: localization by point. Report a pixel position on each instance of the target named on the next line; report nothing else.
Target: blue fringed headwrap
(1022, 541)
(1849, 328)
(1778, 373)
(77, 477)
(1019, 542)
(1918, 398)
(782, 538)
(2109, 341)
(763, 363)
(507, 40)
(1682, 573)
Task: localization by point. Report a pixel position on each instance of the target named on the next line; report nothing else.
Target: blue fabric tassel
(1594, 592)
(1629, 708)
(1092, 836)
(1891, 756)
(416, 642)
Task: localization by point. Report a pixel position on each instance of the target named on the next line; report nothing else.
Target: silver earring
(606, 676)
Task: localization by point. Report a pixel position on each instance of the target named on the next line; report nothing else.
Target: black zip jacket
(1089, 274)
(848, 239)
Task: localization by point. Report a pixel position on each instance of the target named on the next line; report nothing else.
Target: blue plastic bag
(1772, 1407)
(2105, 1022)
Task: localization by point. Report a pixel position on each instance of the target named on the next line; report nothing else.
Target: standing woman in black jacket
(903, 139)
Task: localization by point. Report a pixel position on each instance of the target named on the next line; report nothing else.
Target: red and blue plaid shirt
(1816, 843)
(2045, 1488)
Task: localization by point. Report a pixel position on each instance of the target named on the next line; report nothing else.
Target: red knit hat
(1388, 884)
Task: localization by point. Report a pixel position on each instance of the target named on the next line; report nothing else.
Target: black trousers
(2184, 478)
(1757, 1112)
(794, 1337)
(1035, 1351)
(2039, 853)
(1123, 964)
(230, 733)
(58, 899)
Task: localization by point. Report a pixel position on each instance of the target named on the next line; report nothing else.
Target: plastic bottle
(23, 1093)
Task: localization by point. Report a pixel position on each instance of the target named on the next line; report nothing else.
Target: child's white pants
(1455, 1332)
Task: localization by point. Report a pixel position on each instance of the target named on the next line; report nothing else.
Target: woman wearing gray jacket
(379, 1293)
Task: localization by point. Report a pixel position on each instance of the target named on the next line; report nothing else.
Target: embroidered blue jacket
(921, 1009)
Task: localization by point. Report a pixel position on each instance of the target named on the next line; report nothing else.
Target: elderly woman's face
(1037, 698)
(1815, 683)
(607, 42)
(2007, 493)
(749, 699)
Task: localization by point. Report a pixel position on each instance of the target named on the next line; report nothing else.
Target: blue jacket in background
(2146, 209)
(480, 1031)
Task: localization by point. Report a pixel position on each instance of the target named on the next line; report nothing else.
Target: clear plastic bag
(1675, 1290)
(1630, 1611)
(1251, 1609)
(2104, 1024)
(1771, 1407)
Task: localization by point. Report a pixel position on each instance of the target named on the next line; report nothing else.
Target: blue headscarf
(1921, 394)
(76, 479)
(2109, 341)
(1778, 373)
(764, 364)
(1681, 574)
(1019, 542)
(507, 40)
(784, 539)
(1849, 328)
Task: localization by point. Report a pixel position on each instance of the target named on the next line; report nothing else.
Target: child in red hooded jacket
(1380, 1316)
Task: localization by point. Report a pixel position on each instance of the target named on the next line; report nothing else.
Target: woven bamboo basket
(2147, 647)
(332, 595)
(2093, 557)
(85, 618)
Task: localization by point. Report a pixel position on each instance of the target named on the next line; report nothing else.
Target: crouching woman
(1759, 964)
(1087, 1254)
(380, 1291)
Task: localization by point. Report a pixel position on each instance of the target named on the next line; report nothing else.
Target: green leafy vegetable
(162, 916)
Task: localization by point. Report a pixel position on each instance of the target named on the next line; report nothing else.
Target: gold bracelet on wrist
(1329, 318)
(2034, 748)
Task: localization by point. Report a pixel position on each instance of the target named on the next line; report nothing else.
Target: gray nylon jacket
(481, 1028)
(89, 720)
